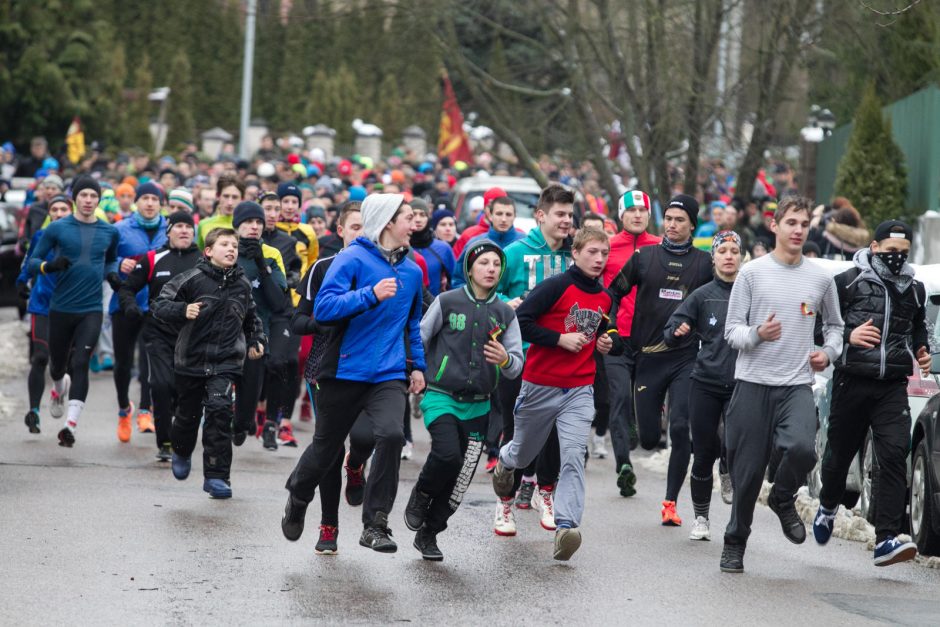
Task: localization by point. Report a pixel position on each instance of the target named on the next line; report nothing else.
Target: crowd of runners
(246, 296)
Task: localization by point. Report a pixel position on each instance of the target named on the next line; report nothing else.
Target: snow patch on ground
(14, 359)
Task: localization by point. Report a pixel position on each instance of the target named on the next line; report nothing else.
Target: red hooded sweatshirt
(622, 247)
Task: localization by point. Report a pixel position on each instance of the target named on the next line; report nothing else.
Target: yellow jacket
(307, 247)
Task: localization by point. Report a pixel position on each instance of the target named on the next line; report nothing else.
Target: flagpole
(247, 70)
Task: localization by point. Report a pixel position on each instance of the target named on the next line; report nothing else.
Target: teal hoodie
(530, 261)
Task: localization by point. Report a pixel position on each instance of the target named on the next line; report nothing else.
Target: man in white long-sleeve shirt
(771, 317)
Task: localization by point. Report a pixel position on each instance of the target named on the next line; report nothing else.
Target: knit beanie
(85, 182)
(288, 189)
(631, 199)
(439, 215)
(357, 192)
(377, 211)
(178, 217)
(149, 188)
(183, 196)
(53, 180)
(478, 248)
(125, 188)
(247, 210)
(419, 204)
(687, 204)
(60, 198)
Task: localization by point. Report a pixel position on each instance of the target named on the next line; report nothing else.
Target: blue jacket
(376, 341)
(500, 239)
(440, 257)
(43, 284)
(134, 242)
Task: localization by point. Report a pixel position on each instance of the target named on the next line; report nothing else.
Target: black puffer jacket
(216, 341)
(899, 315)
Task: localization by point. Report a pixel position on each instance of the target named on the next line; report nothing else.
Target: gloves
(114, 280)
(23, 290)
(133, 313)
(250, 249)
(56, 265)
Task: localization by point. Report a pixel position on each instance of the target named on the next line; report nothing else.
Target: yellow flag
(75, 141)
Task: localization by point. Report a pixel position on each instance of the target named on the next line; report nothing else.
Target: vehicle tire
(922, 513)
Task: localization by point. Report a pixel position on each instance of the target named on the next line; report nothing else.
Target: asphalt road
(102, 534)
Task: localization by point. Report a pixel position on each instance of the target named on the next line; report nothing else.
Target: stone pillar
(415, 141)
(213, 140)
(368, 141)
(256, 131)
(323, 137)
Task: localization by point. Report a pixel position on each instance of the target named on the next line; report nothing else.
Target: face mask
(894, 262)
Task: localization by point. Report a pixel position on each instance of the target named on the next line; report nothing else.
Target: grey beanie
(377, 211)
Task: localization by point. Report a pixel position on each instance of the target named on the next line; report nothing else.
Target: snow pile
(848, 525)
(657, 462)
(14, 348)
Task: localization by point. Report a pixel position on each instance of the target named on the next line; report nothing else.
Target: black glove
(23, 290)
(114, 280)
(250, 249)
(133, 313)
(56, 265)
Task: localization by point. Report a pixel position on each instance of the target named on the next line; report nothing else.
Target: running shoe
(525, 494)
(407, 450)
(600, 447)
(700, 530)
(269, 436)
(790, 521)
(727, 492)
(626, 480)
(545, 504)
(165, 453)
(326, 545)
(57, 401)
(505, 522)
(355, 483)
(491, 463)
(93, 364)
(503, 479)
(377, 536)
(285, 435)
(823, 523)
(416, 511)
(305, 414)
(217, 488)
(670, 517)
(67, 437)
(32, 421)
(124, 423)
(893, 551)
(107, 363)
(426, 543)
(181, 466)
(292, 523)
(145, 421)
(567, 541)
(732, 558)
(634, 436)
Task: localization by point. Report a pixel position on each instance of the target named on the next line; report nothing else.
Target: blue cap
(357, 193)
(286, 189)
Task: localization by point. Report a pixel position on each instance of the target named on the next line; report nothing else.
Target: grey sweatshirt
(796, 295)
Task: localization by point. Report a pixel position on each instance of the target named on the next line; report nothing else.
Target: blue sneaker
(107, 363)
(823, 524)
(893, 551)
(217, 488)
(93, 364)
(181, 466)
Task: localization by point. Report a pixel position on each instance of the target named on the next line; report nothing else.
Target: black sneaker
(732, 558)
(292, 524)
(326, 545)
(524, 495)
(66, 437)
(355, 483)
(634, 436)
(417, 509)
(377, 535)
(790, 521)
(32, 421)
(165, 453)
(426, 543)
(269, 436)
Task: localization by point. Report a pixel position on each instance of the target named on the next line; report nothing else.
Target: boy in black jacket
(212, 303)
(156, 269)
(702, 315)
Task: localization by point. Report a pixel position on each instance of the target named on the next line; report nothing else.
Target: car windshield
(933, 318)
(525, 206)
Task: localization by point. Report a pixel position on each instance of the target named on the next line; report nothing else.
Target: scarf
(422, 238)
(152, 223)
(677, 249)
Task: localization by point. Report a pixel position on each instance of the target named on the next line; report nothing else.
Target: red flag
(452, 141)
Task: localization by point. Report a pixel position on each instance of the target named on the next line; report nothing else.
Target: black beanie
(177, 218)
(246, 210)
(85, 182)
(480, 247)
(687, 204)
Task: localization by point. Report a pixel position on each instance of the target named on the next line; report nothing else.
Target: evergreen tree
(871, 174)
(137, 124)
(180, 112)
(389, 112)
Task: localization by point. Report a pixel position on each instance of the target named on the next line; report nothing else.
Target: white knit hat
(377, 211)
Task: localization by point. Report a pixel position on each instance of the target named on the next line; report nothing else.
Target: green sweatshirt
(207, 224)
(530, 261)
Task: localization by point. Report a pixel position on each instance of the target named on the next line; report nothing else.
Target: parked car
(921, 395)
(523, 191)
(10, 257)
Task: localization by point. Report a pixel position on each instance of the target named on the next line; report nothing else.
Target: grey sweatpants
(761, 419)
(571, 410)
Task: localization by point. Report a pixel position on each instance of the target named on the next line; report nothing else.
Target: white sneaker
(600, 448)
(505, 522)
(700, 529)
(407, 450)
(727, 492)
(543, 501)
(57, 401)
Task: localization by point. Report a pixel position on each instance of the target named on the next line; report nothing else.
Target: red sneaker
(491, 463)
(286, 435)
